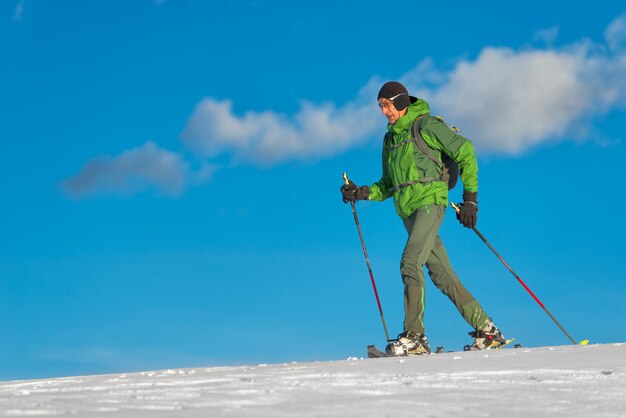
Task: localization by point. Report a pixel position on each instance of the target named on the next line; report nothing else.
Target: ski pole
(367, 260)
(482, 237)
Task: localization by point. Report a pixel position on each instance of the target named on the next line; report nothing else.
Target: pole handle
(345, 178)
(455, 207)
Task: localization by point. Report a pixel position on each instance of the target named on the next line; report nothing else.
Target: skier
(420, 195)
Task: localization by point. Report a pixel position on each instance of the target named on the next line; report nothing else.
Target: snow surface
(564, 381)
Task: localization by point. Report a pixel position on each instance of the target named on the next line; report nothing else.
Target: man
(420, 195)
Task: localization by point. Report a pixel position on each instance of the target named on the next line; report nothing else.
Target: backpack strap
(423, 146)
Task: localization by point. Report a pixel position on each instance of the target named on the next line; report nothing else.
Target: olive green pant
(424, 246)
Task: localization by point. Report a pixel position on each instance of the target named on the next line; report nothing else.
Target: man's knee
(443, 280)
(411, 280)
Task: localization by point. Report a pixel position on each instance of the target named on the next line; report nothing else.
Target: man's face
(390, 111)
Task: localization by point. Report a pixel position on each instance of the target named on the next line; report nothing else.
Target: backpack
(448, 168)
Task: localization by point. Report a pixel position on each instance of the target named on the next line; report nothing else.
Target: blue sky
(170, 175)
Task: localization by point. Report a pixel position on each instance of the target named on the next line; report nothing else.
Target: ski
(509, 341)
(374, 352)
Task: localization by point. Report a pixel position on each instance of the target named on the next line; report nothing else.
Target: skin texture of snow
(565, 381)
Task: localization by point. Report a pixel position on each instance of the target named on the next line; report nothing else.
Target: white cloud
(205, 173)
(131, 172)
(267, 137)
(615, 33)
(19, 11)
(547, 35)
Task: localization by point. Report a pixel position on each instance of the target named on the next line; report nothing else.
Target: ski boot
(488, 338)
(409, 343)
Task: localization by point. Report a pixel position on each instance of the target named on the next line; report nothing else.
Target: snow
(564, 381)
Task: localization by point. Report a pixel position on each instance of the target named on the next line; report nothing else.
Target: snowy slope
(565, 381)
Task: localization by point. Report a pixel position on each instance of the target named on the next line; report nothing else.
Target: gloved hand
(352, 192)
(467, 214)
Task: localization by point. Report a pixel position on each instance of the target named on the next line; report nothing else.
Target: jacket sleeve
(459, 148)
(381, 190)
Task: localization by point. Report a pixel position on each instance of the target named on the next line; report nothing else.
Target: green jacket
(406, 163)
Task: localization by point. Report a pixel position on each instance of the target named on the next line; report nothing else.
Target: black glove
(352, 192)
(467, 214)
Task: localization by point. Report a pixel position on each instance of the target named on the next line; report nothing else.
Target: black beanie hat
(393, 88)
